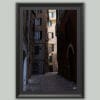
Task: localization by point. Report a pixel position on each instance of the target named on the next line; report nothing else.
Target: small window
(50, 58)
(33, 22)
(50, 23)
(38, 35)
(38, 21)
(51, 47)
(51, 35)
(52, 14)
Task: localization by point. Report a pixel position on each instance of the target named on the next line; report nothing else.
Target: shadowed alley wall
(67, 44)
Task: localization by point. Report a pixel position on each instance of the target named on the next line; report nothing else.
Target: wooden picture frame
(76, 44)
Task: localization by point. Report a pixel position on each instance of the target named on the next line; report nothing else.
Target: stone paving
(49, 83)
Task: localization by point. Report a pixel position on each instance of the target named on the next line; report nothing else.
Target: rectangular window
(50, 58)
(51, 47)
(33, 21)
(51, 35)
(52, 14)
(50, 23)
(38, 21)
(49, 15)
(38, 35)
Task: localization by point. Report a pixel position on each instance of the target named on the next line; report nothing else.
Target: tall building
(35, 41)
(52, 41)
(67, 43)
(40, 58)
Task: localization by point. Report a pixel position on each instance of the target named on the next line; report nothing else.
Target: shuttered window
(38, 35)
(38, 21)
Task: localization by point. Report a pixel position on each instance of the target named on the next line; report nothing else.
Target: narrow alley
(49, 83)
(49, 51)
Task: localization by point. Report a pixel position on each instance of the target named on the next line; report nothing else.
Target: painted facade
(52, 41)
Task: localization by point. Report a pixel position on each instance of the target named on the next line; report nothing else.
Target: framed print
(49, 50)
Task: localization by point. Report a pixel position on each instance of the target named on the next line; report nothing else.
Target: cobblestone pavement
(49, 83)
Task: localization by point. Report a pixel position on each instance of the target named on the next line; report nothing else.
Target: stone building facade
(35, 41)
(67, 43)
(40, 47)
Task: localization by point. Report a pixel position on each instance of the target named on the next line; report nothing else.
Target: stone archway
(70, 54)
